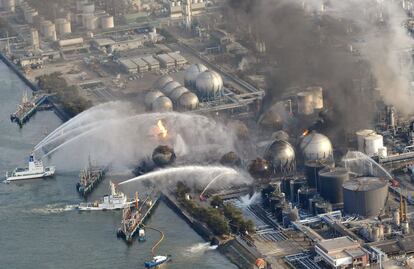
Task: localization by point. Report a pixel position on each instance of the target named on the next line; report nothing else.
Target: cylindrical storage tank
(382, 152)
(279, 212)
(312, 168)
(163, 156)
(304, 195)
(373, 143)
(330, 183)
(90, 21)
(177, 93)
(49, 30)
(29, 15)
(63, 26)
(80, 3)
(162, 104)
(405, 227)
(317, 97)
(162, 81)
(375, 234)
(281, 156)
(286, 186)
(88, 8)
(305, 103)
(361, 134)
(70, 42)
(365, 196)
(322, 208)
(209, 85)
(150, 97)
(188, 101)
(170, 87)
(107, 22)
(396, 217)
(191, 75)
(387, 229)
(316, 146)
(295, 185)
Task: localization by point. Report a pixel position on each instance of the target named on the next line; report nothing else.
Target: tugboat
(116, 200)
(35, 170)
(89, 178)
(156, 261)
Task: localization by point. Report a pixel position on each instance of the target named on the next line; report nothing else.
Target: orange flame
(163, 132)
(306, 132)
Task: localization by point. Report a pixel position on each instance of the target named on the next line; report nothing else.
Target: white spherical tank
(209, 85)
(162, 81)
(107, 22)
(192, 73)
(151, 96)
(170, 87)
(188, 101)
(316, 146)
(360, 135)
(373, 143)
(317, 96)
(162, 104)
(305, 103)
(176, 94)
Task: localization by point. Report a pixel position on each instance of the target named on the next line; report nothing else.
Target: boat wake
(53, 209)
(199, 248)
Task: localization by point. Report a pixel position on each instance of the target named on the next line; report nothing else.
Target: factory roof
(128, 63)
(150, 60)
(177, 57)
(104, 41)
(338, 244)
(138, 61)
(407, 244)
(165, 58)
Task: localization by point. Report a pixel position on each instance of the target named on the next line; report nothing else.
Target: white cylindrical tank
(88, 8)
(63, 26)
(90, 21)
(382, 152)
(396, 217)
(107, 22)
(49, 30)
(71, 42)
(361, 134)
(373, 143)
(317, 96)
(305, 103)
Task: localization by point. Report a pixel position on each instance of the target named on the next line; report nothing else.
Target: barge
(89, 178)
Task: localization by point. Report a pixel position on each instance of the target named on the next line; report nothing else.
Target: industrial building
(342, 252)
(128, 66)
(153, 64)
(166, 61)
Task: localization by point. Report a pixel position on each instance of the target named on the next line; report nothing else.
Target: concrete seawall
(59, 110)
(236, 250)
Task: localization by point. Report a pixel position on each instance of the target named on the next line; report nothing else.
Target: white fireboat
(35, 170)
(116, 200)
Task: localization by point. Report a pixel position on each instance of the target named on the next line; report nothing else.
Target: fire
(163, 132)
(306, 132)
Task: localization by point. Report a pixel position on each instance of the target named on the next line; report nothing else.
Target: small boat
(141, 235)
(116, 200)
(157, 260)
(35, 170)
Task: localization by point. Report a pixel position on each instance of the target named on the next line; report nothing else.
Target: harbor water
(40, 227)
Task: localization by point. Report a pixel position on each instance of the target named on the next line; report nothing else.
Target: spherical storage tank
(170, 87)
(209, 85)
(163, 155)
(188, 101)
(151, 96)
(231, 159)
(281, 155)
(316, 146)
(162, 104)
(330, 183)
(365, 196)
(162, 81)
(177, 93)
(192, 73)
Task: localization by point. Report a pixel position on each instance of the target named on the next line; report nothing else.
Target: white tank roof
(316, 146)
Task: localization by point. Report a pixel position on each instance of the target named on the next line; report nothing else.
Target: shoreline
(58, 109)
